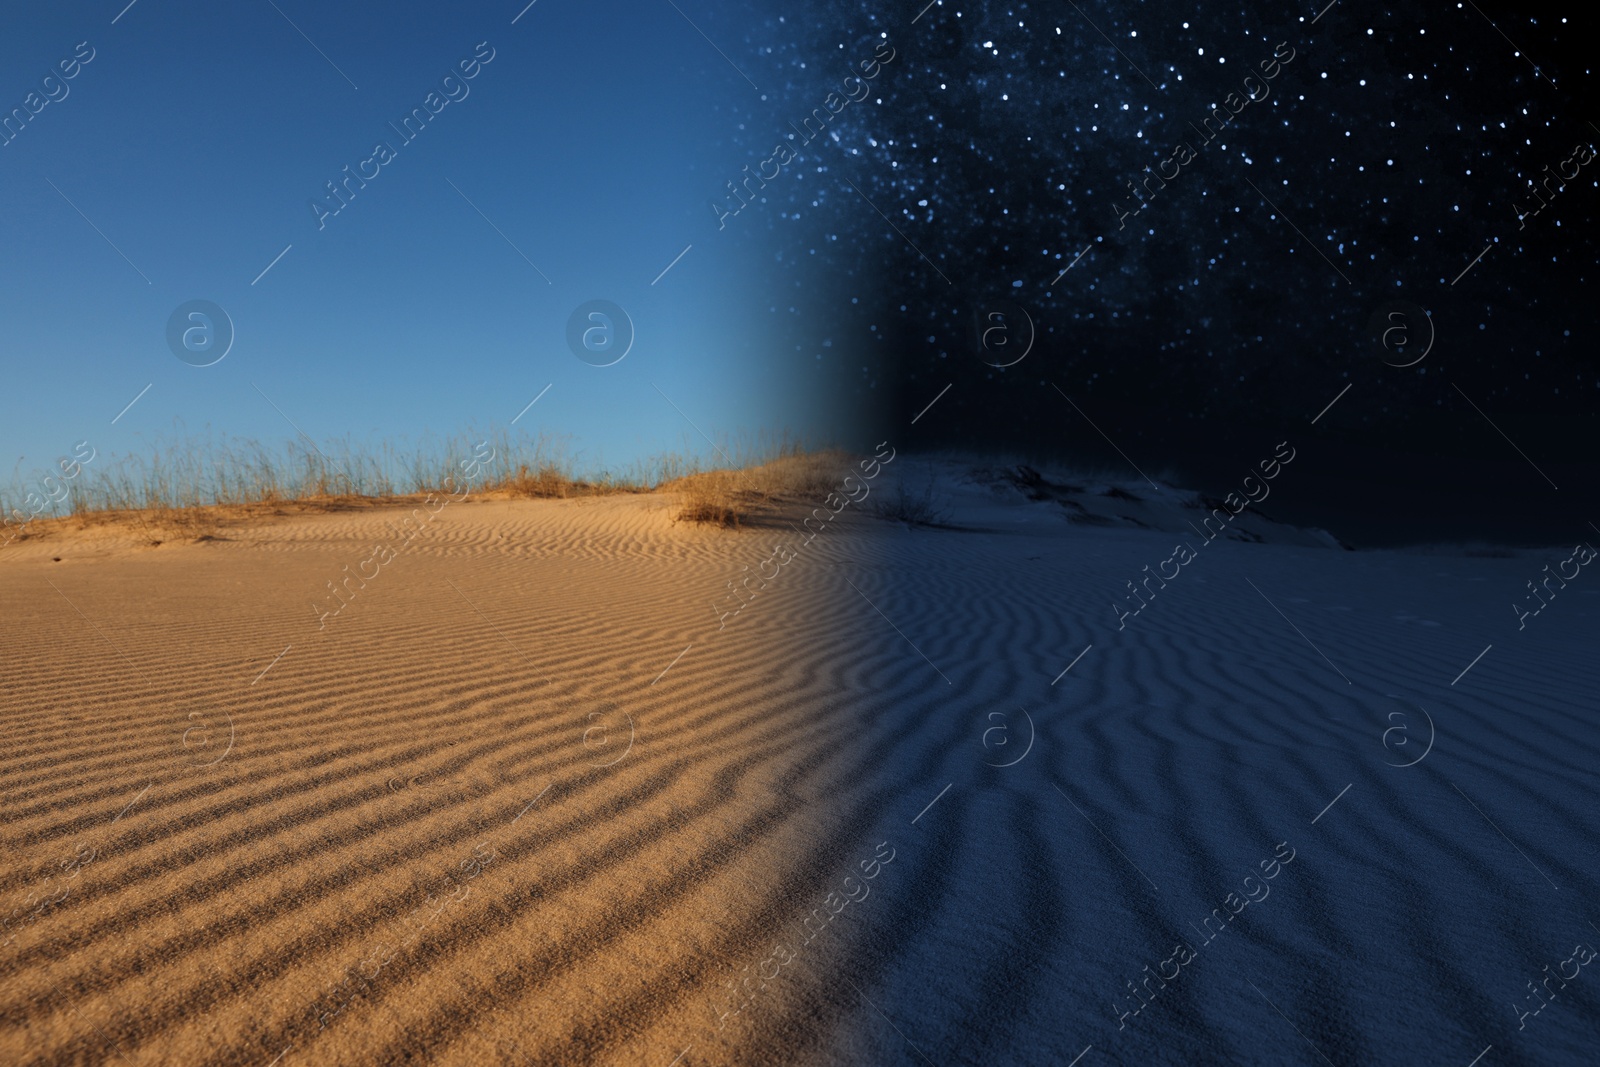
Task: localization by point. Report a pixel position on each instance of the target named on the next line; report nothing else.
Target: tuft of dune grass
(910, 507)
(731, 498)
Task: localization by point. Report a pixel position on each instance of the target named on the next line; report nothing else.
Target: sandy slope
(435, 793)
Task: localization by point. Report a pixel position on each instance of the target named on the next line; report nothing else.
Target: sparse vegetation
(193, 487)
(913, 508)
(712, 497)
(731, 497)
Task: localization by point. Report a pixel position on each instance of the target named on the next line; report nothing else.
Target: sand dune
(525, 799)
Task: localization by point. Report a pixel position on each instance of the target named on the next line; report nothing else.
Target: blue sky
(196, 137)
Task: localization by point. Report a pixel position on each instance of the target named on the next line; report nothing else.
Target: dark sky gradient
(1395, 145)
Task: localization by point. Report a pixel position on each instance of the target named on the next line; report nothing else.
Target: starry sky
(1199, 209)
(1134, 235)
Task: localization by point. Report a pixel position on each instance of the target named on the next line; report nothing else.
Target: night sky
(1235, 197)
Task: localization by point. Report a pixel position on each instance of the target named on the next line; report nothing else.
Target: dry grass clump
(546, 481)
(541, 468)
(732, 498)
(551, 482)
(910, 507)
(713, 497)
(806, 476)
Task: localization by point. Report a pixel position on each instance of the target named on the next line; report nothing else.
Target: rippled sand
(523, 801)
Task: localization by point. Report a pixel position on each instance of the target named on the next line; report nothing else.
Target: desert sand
(532, 796)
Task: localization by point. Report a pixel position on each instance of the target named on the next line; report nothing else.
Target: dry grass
(911, 507)
(198, 487)
(713, 497)
(203, 522)
(731, 498)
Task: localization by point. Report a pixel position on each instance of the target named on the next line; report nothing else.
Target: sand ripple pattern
(521, 801)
